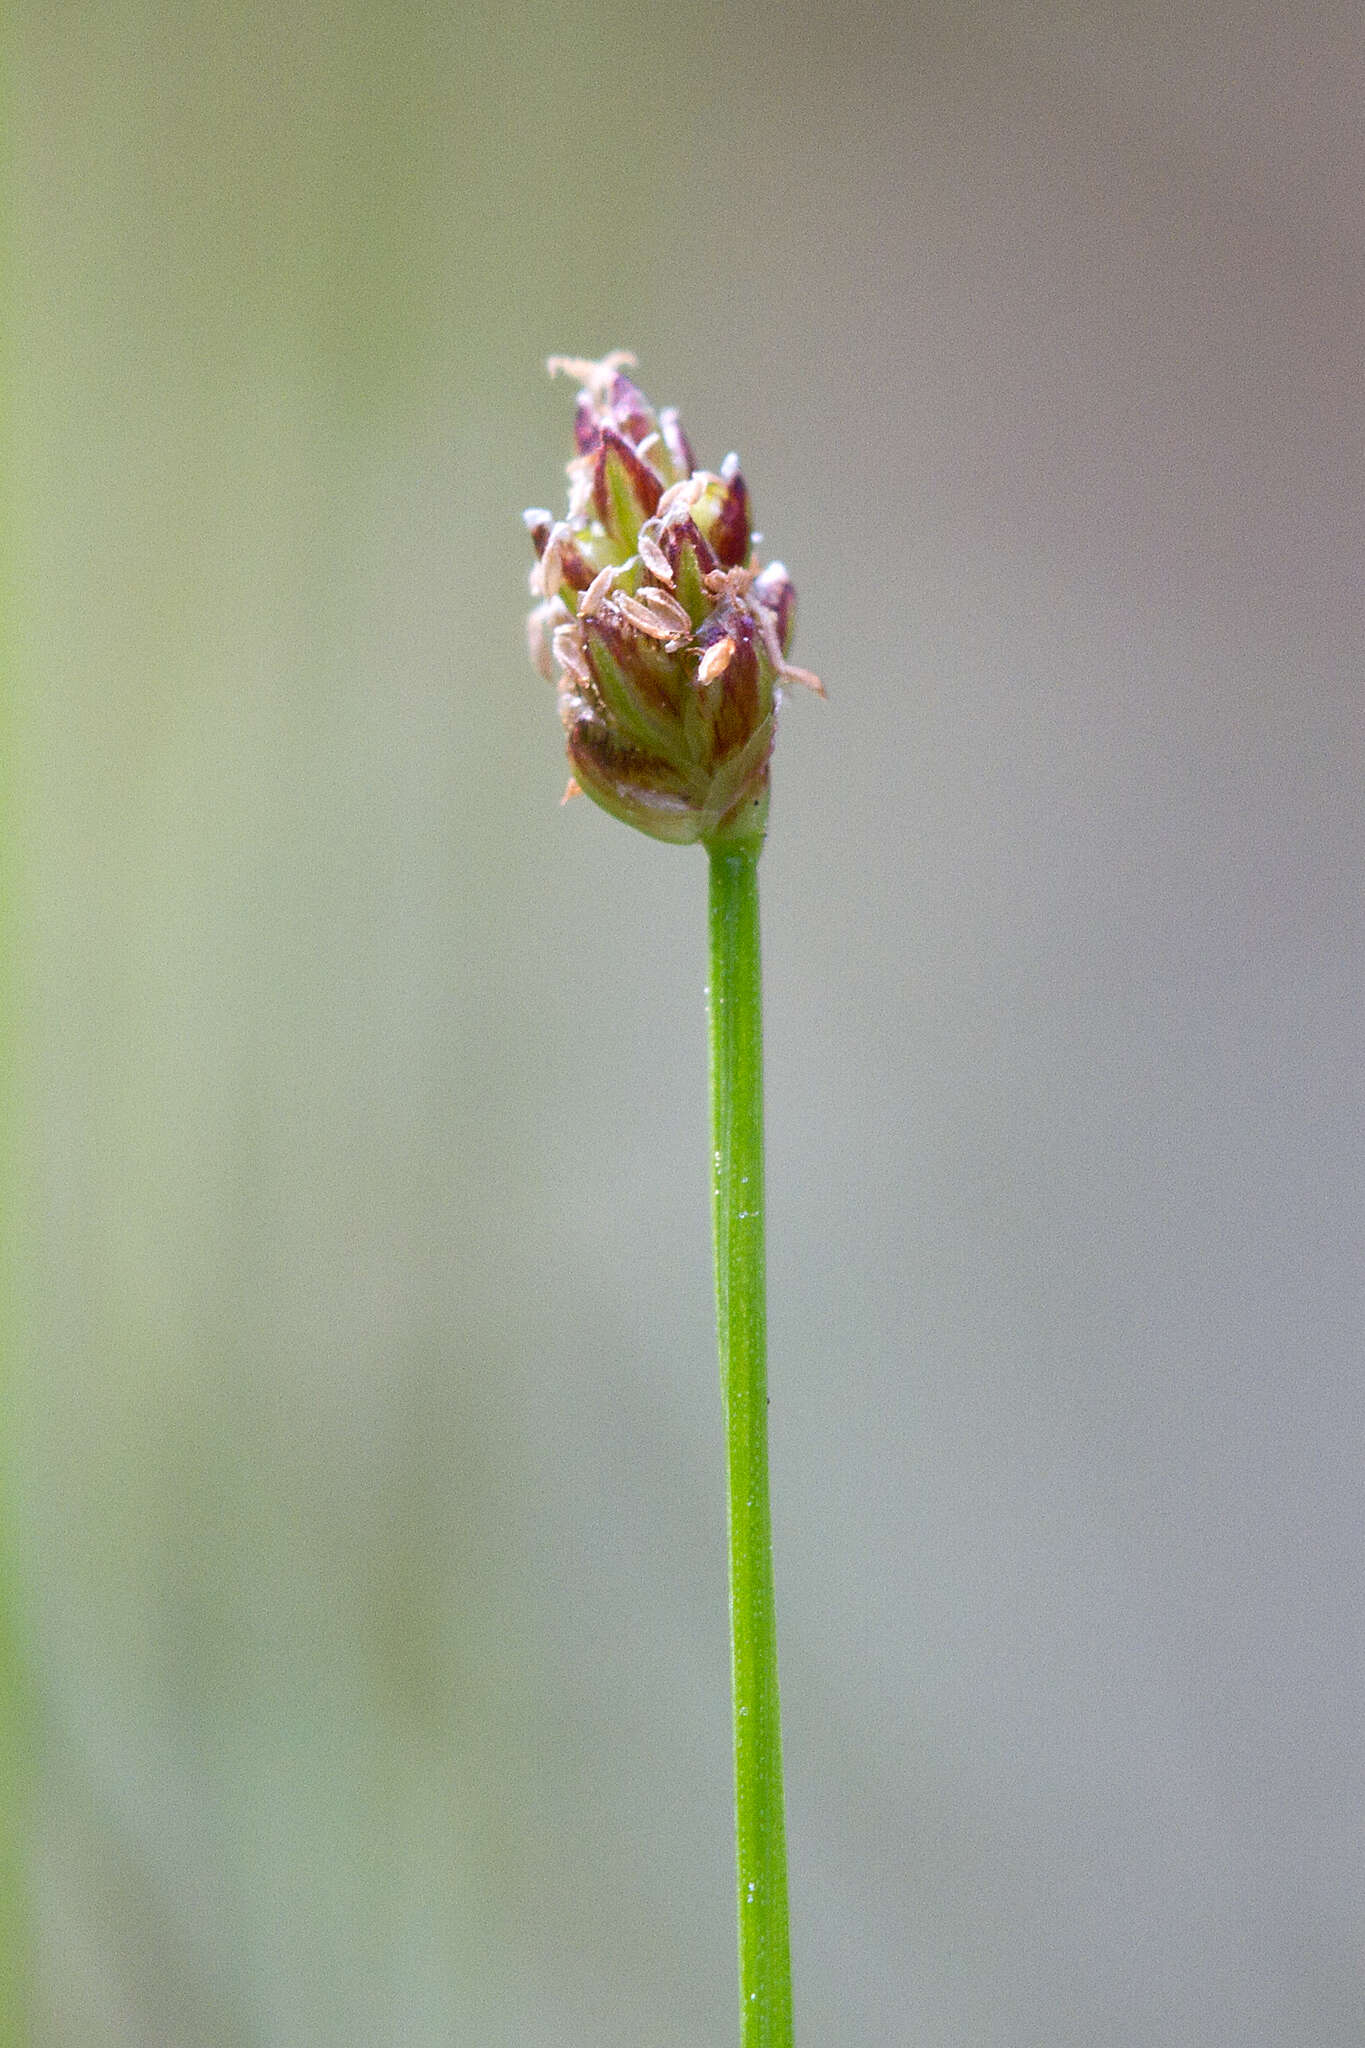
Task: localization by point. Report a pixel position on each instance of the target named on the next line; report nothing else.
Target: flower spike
(666, 642)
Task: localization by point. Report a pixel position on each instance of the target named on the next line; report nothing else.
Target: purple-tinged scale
(774, 589)
(585, 428)
(622, 481)
(630, 409)
(538, 524)
(730, 526)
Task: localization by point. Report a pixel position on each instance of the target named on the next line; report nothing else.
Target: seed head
(666, 641)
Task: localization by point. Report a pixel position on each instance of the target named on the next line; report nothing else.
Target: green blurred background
(366, 1433)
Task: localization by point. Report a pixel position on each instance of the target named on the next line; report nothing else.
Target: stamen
(594, 596)
(596, 377)
(685, 494)
(767, 626)
(570, 651)
(540, 626)
(653, 557)
(551, 564)
(667, 609)
(729, 582)
(675, 439)
(802, 676)
(643, 619)
(716, 660)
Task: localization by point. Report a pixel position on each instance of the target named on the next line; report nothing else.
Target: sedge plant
(667, 644)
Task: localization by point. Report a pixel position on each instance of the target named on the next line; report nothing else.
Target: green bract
(665, 640)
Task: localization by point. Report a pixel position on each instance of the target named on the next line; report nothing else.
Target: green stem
(736, 1019)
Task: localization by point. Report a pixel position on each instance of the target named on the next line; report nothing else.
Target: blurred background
(367, 1430)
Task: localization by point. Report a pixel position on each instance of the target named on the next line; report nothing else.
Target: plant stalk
(736, 1048)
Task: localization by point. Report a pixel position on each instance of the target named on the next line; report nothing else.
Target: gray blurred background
(369, 1422)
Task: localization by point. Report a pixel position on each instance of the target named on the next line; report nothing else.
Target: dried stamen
(642, 618)
(685, 494)
(716, 660)
(767, 626)
(675, 440)
(729, 582)
(653, 556)
(570, 651)
(667, 609)
(596, 377)
(595, 595)
(552, 564)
